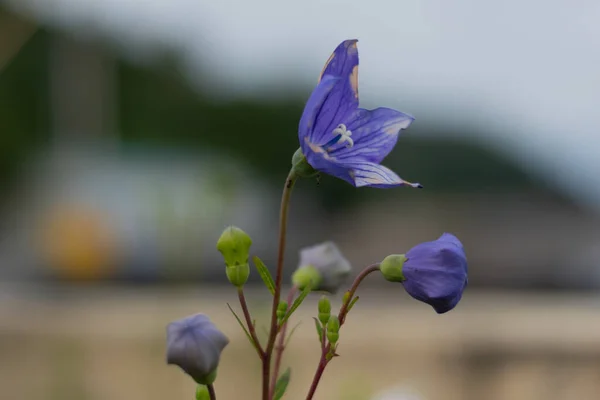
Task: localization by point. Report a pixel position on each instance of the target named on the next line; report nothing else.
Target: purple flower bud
(436, 272)
(195, 344)
(324, 265)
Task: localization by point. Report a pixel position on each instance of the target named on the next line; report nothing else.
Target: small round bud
(238, 274)
(391, 267)
(333, 329)
(301, 167)
(324, 309)
(329, 267)
(282, 310)
(304, 276)
(202, 393)
(234, 244)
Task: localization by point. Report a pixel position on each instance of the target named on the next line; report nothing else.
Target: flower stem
(211, 392)
(357, 281)
(280, 347)
(251, 327)
(324, 360)
(266, 359)
(317, 378)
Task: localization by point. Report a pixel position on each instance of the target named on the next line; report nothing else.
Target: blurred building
(119, 170)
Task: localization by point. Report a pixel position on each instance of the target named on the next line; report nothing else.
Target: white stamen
(345, 135)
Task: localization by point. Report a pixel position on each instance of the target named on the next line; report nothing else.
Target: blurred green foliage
(157, 107)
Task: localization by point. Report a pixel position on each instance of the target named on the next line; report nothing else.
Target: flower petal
(436, 272)
(320, 160)
(312, 109)
(375, 134)
(448, 237)
(343, 99)
(374, 175)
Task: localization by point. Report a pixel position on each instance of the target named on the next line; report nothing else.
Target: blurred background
(132, 132)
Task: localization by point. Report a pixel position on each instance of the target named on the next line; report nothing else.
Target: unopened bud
(234, 244)
(281, 310)
(305, 276)
(333, 329)
(238, 274)
(324, 309)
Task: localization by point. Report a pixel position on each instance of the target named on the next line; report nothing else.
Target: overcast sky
(528, 69)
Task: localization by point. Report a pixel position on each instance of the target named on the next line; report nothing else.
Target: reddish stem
(251, 328)
(211, 392)
(280, 347)
(266, 359)
(342, 317)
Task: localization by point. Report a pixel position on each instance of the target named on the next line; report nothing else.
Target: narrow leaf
(352, 303)
(291, 333)
(264, 273)
(282, 384)
(319, 328)
(243, 327)
(296, 304)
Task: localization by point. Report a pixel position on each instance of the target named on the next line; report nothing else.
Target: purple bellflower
(432, 272)
(340, 139)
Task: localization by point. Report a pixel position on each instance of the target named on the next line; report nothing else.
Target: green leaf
(296, 304)
(282, 384)
(352, 303)
(319, 328)
(243, 327)
(264, 273)
(291, 333)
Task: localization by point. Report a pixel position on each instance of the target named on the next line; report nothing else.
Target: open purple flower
(345, 141)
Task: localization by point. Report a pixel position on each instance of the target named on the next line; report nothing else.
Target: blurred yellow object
(79, 244)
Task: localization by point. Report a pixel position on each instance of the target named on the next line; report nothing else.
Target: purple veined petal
(374, 175)
(375, 133)
(343, 99)
(312, 109)
(320, 160)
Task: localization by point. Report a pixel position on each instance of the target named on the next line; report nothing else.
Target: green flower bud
(328, 265)
(301, 167)
(307, 275)
(391, 267)
(333, 329)
(202, 393)
(282, 310)
(238, 274)
(324, 309)
(234, 244)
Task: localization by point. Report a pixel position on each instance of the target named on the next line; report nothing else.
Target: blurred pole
(82, 91)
